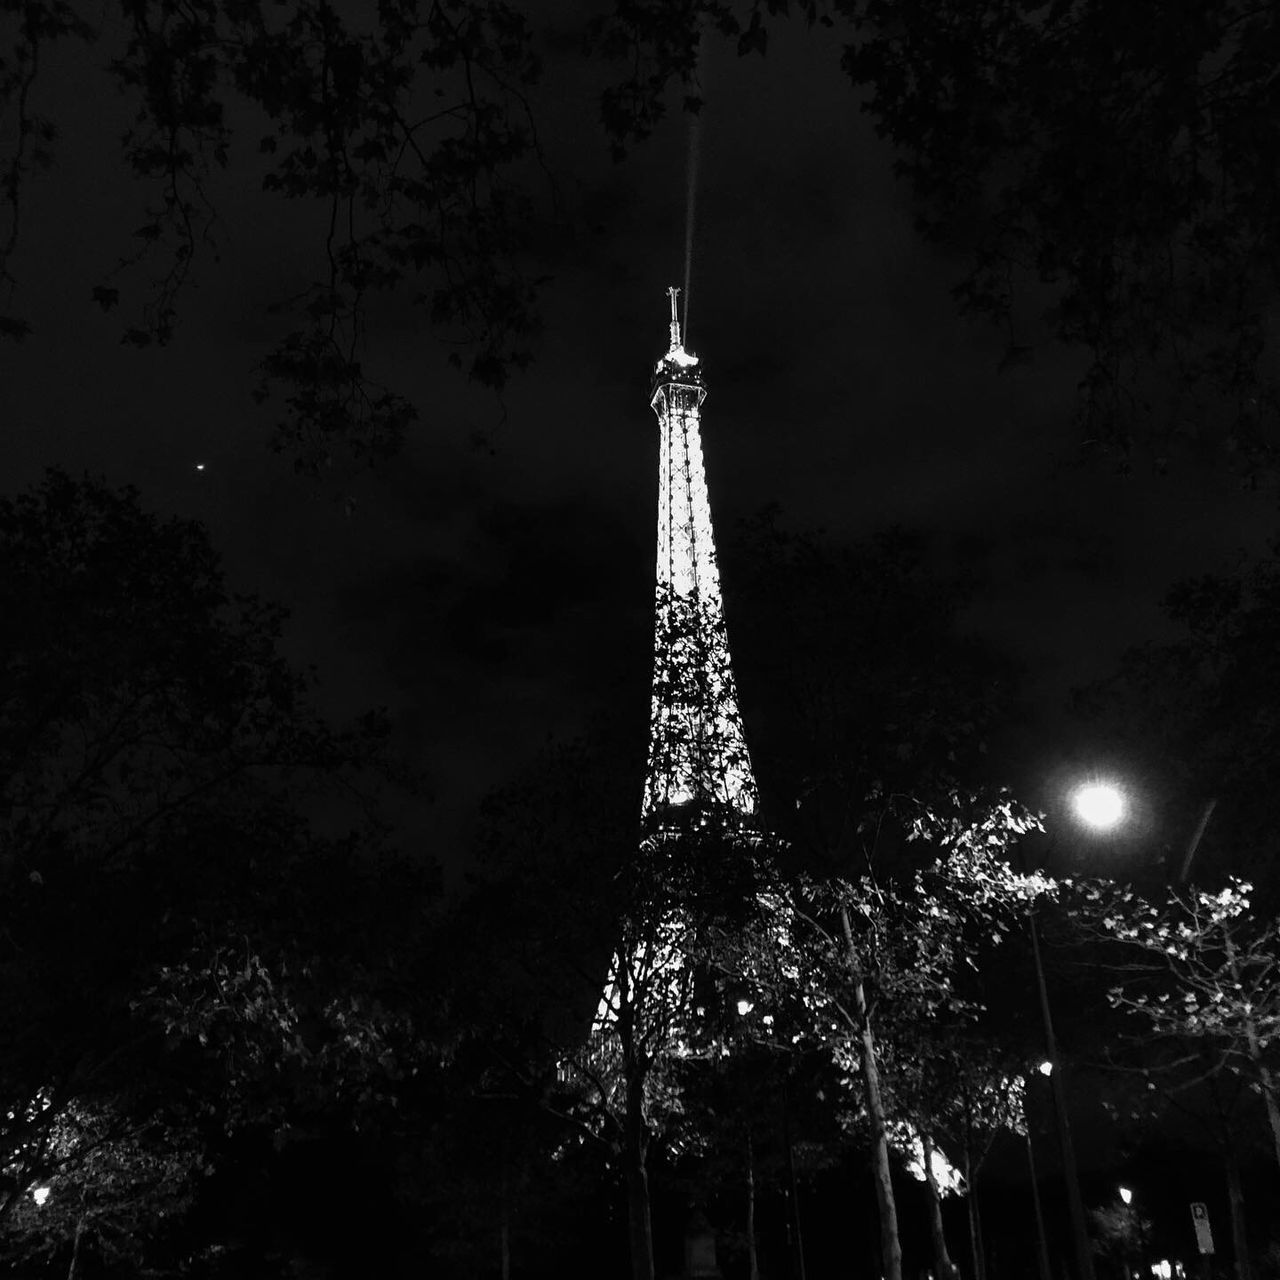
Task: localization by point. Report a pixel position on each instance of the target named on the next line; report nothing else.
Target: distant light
(1162, 1270)
(1099, 805)
(744, 1008)
(40, 1195)
(199, 466)
(1126, 1195)
(1045, 1068)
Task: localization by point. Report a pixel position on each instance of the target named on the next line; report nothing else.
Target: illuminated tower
(655, 1013)
(698, 762)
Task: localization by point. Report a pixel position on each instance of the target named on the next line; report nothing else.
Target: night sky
(492, 586)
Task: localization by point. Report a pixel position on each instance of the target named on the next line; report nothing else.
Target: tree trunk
(75, 1250)
(1265, 1079)
(890, 1244)
(638, 1220)
(1267, 1083)
(635, 1147)
(753, 1261)
(977, 1253)
(1042, 1240)
(946, 1269)
(791, 1179)
(1235, 1198)
(504, 1230)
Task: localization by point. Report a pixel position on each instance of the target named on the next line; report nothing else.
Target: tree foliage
(401, 124)
(1198, 975)
(107, 1184)
(1102, 171)
(859, 684)
(167, 887)
(1200, 712)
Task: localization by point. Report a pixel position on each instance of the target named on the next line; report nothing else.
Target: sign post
(1200, 1220)
(1204, 1234)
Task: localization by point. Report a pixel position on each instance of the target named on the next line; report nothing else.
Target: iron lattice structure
(700, 798)
(698, 762)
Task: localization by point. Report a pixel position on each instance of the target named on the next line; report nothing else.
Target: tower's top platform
(678, 365)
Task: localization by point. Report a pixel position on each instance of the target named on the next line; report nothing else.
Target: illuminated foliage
(106, 1183)
(873, 974)
(1200, 978)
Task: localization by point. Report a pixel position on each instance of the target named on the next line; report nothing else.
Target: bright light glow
(1045, 1068)
(199, 466)
(1126, 1195)
(1098, 805)
(40, 1195)
(744, 1008)
(677, 356)
(1162, 1270)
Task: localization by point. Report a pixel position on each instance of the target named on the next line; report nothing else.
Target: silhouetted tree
(1104, 175)
(183, 944)
(1103, 172)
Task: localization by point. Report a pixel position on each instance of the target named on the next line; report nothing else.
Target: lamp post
(1099, 806)
(1135, 1227)
(1042, 1241)
(1079, 1235)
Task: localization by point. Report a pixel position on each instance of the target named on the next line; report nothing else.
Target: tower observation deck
(698, 763)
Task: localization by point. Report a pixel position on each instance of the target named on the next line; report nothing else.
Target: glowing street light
(1099, 805)
(40, 1195)
(1126, 1195)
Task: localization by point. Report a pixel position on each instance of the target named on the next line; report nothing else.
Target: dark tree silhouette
(1103, 171)
(183, 944)
(402, 123)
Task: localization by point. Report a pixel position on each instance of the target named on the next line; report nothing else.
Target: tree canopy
(183, 935)
(1103, 176)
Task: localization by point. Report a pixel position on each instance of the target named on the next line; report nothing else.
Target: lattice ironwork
(698, 760)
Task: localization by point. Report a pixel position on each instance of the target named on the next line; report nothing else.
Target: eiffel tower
(698, 765)
(652, 1016)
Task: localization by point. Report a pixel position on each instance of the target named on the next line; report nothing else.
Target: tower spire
(672, 293)
(698, 759)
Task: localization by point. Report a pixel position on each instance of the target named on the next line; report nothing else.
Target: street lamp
(1100, 806)
(1135, 1229)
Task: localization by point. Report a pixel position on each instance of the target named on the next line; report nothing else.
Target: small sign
(1200, 1220)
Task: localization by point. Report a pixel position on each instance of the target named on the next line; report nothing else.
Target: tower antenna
(672, 291)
